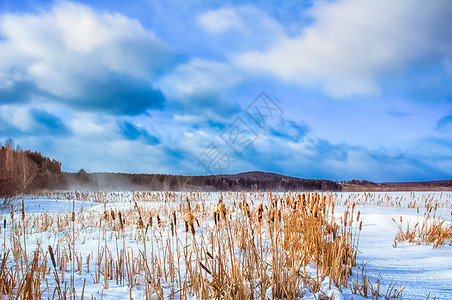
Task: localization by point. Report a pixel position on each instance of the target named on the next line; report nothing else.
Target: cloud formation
(133, 132)
(220, 20)
(352, 43)
(81, 58)
(30, 121)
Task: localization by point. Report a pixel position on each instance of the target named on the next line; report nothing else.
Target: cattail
(140, 223)
(357, 217)
(215, 217)
(188, 203)
(121, 221)
(23, 210)
(221, 211)
(245, 208)
(12, 212)
(260, 211)
(315, 209)
(205, 269)
(172, 228)
(113, 215)
(345, 217)
(272, 215)
(360, 225)
(189, 220)
(52, 256)
(159, 222)
(105, 216)
(174, 218)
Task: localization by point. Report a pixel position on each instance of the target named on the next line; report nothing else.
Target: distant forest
(24, 172)
(251, 181)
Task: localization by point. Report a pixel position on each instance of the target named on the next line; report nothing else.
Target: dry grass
(245, 246)
(429, 230)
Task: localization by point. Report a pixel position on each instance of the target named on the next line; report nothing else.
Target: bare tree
(27, 170)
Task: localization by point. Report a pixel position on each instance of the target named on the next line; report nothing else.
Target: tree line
(251, 181)
(23, 172)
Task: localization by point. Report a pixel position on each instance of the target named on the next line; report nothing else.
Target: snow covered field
(420, 269)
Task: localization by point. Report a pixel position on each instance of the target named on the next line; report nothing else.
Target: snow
(420, 269)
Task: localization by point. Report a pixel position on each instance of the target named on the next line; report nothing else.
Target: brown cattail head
(215, 217)
(189, 218)
(271, 215)
(174, 218)
(245, 208)
(113, 215)
(358, 215)
(345, 217)
(188, 203)
(315, 209)
(4, 223)
(23, 210)
(105, 216)
(140, 223)
(360, 225)
(121, 221)
(260, 211)
(221, 211)
(172, 228)
(52, 256)
(159, 222)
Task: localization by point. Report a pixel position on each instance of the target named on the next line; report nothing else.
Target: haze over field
(357, 89)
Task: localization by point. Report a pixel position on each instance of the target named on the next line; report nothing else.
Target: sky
(344, 89)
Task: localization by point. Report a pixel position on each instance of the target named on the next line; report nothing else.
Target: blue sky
(359, 89)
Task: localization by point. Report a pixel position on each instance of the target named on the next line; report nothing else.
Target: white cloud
(89, 125)
(353, 42)
(220, 20)
(241, 27)
(17, 117)
(63, 49)
(199, 76)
